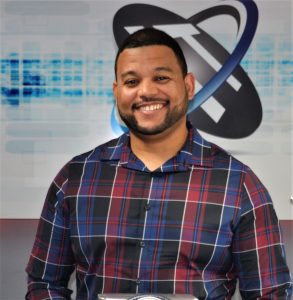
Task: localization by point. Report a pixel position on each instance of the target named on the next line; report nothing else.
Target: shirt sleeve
(51, 262)
(259, 254)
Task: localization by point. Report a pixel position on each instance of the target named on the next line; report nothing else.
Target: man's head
(150, 37)
(152, 86)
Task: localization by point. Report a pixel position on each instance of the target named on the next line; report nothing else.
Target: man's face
(151, 93)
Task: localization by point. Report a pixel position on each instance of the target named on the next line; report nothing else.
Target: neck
(154, 150)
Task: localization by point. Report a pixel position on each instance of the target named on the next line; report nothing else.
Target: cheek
(174, 91)
(125, 98)
(176, 95)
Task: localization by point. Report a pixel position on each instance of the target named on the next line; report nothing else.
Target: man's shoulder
(103, 151)
(222, 158)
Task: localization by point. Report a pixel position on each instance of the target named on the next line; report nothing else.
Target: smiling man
(152, 93)
(158, 210)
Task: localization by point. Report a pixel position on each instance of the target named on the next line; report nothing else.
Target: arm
(258, 251)
(51, 262)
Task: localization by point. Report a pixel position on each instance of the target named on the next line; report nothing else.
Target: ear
(114, 89)
(190, 85)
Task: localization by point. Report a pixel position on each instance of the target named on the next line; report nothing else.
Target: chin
(154, 130)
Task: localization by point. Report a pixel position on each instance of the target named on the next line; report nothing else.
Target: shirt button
(147, 207)
(142, 244)
(138, 281)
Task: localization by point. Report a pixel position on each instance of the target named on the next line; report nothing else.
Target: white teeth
(152, 107)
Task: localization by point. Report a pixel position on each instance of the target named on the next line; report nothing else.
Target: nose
(147, 88)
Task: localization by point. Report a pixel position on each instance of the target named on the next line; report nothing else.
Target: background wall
(56, 98)
(56, 78)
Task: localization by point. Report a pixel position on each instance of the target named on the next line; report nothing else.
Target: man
(158, 210)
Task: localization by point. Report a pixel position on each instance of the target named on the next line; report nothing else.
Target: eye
(131, 82)
(162, 79)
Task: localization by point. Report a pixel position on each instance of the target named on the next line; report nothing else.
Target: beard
(171, 118)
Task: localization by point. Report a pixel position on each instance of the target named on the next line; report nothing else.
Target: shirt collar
(196, 151)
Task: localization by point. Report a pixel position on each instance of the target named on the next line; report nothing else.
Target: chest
(193, 205)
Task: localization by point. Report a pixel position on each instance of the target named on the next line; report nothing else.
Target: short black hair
(151, 36)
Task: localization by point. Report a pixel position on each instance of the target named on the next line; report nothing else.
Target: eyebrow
(158, 69)
(167, 69)
(128, 73)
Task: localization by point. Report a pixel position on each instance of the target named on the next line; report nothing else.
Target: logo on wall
(226, 103)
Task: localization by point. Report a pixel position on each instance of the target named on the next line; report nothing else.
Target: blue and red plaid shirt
(195, 225)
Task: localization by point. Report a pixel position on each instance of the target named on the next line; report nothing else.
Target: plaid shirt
(194, 226)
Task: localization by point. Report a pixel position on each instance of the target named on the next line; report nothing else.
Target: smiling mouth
(150, 106)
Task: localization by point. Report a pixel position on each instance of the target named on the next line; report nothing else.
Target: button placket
(147, 207)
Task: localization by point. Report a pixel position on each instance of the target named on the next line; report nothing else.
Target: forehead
(146, 57)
